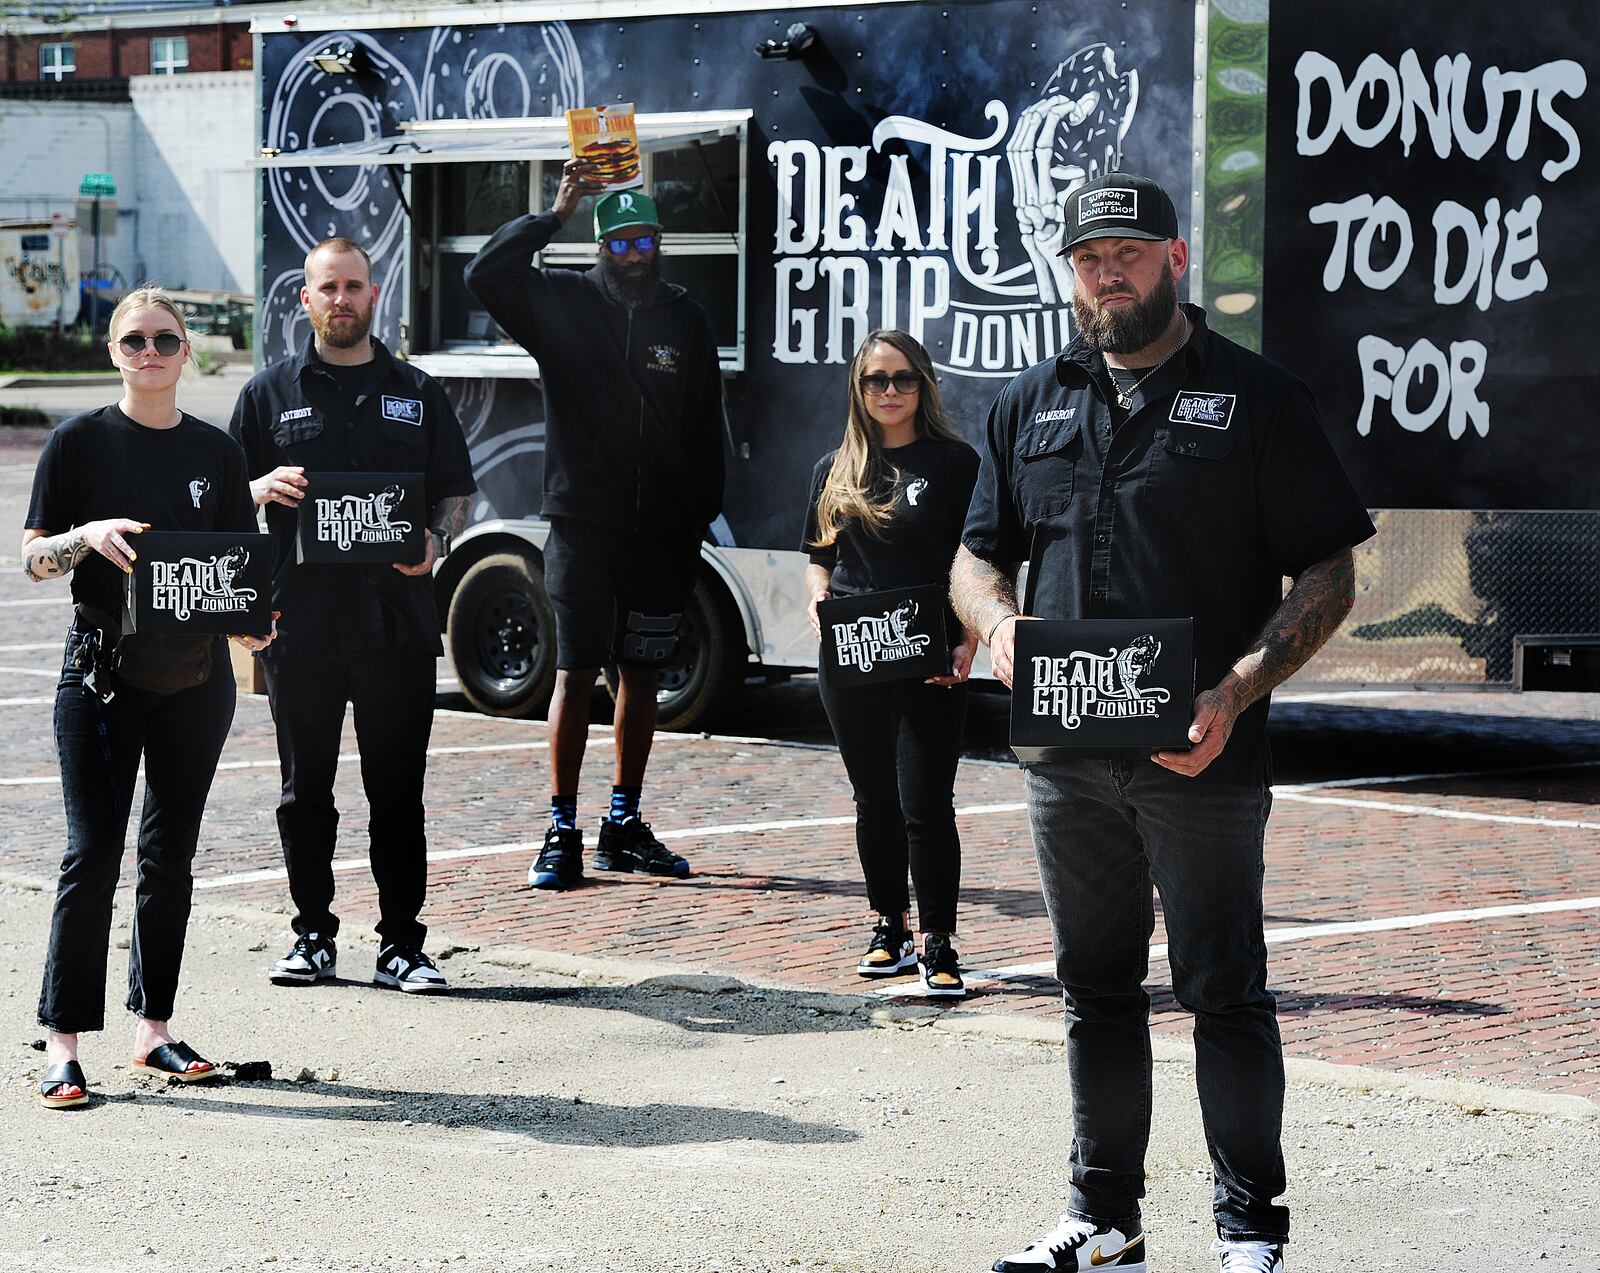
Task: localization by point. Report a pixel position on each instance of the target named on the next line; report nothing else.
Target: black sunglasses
(874, 384)
(619, 247)
(166, 343)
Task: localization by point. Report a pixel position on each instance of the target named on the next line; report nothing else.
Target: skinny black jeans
(901, 743)
(391, 692)
(99, 745)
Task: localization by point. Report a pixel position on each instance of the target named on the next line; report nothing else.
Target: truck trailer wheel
(503, 636)
(707, 668)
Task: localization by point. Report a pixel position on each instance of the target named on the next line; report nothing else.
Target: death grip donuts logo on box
(895, 635)
(1102, 686)
(874, 639)
(190, 586)
(199, 582)
(345, 520)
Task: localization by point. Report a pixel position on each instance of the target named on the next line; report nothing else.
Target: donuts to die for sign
(1428, 211)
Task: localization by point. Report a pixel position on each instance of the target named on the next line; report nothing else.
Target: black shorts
(618, 594)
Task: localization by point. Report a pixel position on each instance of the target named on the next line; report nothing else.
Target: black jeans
(391, 692)
(1105, 831)
(99, 745)
(901, 743)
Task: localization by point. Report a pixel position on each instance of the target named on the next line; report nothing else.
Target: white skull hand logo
(1071, 135)
(198, 487)
(914, 490)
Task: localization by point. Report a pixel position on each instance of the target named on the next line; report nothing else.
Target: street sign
(97, 185)
(107, 214)
(60, 226)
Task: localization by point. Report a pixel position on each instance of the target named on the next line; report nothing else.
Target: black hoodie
(632, 398)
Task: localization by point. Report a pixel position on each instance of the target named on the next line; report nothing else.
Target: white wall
(45, 150)
(196, 187)
(180, 156)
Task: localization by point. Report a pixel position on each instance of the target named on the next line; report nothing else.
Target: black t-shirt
(932, 488)
(1218, 485)
(101, 464)
(381, 416)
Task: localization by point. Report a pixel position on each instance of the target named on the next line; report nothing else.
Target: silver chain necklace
(1125, 396)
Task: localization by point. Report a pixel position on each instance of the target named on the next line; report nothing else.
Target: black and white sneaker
(1249, 1257)
(312, 958)
(1075, 1245)
(402, 968)
(560, 862)
(892, 950)
(941, 969)
(631, 846)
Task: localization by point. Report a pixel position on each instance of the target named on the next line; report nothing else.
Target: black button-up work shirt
(295, 413)
(1217, 485)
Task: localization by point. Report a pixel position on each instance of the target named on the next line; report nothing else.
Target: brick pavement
(1512, 1001)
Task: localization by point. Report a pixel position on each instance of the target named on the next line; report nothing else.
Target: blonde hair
(860, 484)
(146, 296)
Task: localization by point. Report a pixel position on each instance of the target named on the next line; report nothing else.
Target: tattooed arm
(47, 556)
(1315, 607)
(985, 600)
(450, 516)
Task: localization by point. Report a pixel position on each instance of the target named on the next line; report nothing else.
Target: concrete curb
(604, 970)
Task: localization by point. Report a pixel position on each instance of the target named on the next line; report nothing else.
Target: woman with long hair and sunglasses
(886, 511)
(103, 478)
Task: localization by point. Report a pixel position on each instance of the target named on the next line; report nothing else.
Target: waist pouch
(161, 664)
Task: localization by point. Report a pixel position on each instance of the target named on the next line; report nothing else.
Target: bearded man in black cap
(1157, 470)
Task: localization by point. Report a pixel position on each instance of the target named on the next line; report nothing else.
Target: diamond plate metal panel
(1440, 594)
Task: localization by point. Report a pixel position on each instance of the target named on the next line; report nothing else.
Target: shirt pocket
(287, 433)
(1049, 455)
(402, 432)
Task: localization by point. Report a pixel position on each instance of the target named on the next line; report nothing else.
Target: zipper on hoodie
(638, 453)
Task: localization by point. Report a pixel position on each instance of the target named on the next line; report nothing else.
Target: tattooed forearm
(1309, 615)
(52, 557)
(981, 593)
(450, 514)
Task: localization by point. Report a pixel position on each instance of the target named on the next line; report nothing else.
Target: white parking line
(34, 645)
(1295, 933)
(1430, 811)
(53, 673)
(25, 702)
(38, 601)
(1385, 780)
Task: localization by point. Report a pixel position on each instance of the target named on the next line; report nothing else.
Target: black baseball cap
(1119, 205)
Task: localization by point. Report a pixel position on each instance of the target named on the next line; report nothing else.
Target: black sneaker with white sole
(632, 846)
(892, 950)
(1075, 1245)
(408, 969)
(941, 969)
(312, 958)
(1248, 1257)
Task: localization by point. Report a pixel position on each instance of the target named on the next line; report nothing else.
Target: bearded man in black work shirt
(1157, 470)
(366, 635)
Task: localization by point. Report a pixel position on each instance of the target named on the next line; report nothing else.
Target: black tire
(708, 666)
(503, 636)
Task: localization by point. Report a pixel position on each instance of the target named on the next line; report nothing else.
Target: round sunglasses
(166, 343)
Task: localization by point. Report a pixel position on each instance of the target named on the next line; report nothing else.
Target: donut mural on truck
(921, 190)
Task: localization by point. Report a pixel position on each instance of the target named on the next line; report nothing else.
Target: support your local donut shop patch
(361, 517)
(898, 635)
(196, 583)
(1102, 687)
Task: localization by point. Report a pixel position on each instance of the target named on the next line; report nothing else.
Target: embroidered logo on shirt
(1112, 201)
(1213, 410)
(1045, 417)
(299, 413)
(198, 487)
(915, 489)
(663, 358)
(405, 410)
(1099, 686)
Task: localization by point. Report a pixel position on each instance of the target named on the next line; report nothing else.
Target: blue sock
(624, 803)
(564, 812)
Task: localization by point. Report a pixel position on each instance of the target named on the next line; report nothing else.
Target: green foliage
(40, 349)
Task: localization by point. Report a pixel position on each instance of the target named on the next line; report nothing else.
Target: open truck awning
(483, 140)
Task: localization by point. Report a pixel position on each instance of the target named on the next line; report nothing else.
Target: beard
(1128, 328)
(342, 335)
(631, 284)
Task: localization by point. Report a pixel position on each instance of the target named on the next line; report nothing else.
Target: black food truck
(1391, 199)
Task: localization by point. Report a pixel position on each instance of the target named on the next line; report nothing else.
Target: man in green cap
(633, 473)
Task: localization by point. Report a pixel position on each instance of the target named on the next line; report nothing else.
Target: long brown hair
(860, 485)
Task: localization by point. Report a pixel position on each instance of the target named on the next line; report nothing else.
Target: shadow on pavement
(716, 1015)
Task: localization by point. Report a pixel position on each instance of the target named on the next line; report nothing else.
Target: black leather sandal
(67, 1074)
(172, 1061)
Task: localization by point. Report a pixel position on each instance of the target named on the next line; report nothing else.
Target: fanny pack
(154, 664)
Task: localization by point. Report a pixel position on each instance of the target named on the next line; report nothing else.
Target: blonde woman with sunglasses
(886, 511)
(103, 478)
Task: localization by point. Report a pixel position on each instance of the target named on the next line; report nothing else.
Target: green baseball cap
(622, 209)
